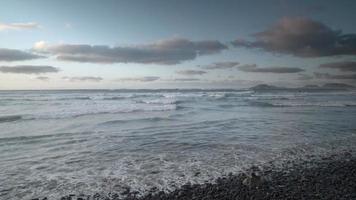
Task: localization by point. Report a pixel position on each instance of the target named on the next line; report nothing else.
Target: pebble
(331, 177)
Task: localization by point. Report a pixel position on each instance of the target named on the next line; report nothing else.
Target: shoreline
(332, 177)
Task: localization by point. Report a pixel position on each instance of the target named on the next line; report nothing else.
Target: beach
(177, 100)
(332, 177)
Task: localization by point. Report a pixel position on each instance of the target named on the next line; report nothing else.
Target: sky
(92, 44)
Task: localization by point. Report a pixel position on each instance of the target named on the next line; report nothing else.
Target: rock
(247, 182)
(126, 191)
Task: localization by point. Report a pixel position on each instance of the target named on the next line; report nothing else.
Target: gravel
(332, 177)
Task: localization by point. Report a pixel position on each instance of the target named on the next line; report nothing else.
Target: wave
(76, 98)
(230, 96)
(350, 105)
(270, 98)
(46, 99)
(151, 119)
(113, 98)
(300, 104)
(332, 104)
(88, 111)
(16, 99)
(10, 118)
(262, 104)
(65, 98)
(238, 94)
(227, 105)
(144, 95)
(159, 101)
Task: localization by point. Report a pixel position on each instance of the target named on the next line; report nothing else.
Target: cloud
(185, 79)
(191, 72)
(342, 66)
(16, 55)
(220, 65)
(42, 78)
(311, 9)
(19, 26)
(140, 79)
(68, 25)
(28, 69)
(278, 70)
(332, 76)
(302, 37)
(83, 78)
(164, 52)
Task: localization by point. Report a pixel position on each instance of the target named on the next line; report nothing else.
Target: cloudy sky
(65, 44)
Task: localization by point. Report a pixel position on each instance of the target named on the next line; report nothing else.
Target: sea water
(54, 143)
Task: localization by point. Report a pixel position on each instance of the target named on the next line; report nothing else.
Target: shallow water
(54, 143)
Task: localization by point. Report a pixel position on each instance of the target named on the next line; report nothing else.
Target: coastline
(331, 177)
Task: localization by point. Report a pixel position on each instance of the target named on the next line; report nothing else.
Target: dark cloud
(28, 69)
(239, 83)
(42, 78)
(311, 9)
(335, 76)
(16, 55)
(191, 72)
(83, 78)
(342, 66)
(168, 52)
(302, 37)
(140, 79)
(220, 65)
(279, 70)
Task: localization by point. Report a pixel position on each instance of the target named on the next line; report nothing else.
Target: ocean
(55, 143)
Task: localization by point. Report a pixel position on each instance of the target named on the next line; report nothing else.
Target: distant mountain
(327, 86)
(266, 87)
